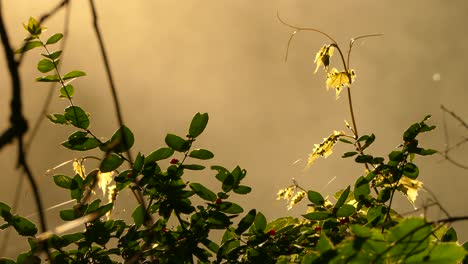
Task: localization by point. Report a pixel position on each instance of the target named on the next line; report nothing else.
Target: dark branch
(18, 122)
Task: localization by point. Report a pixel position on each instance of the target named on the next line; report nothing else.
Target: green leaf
(246, 222)
(218, 220)
(210, 245)
(410, 170)
(342, 198)
(344, 140)
(242, 189)
(345, 210)
(396, 155)
(324, 244)
(6, 261)
(5, 210)
(193, 167)
(361, 189)
(48, 78)
(28, 46)
(68, 215)
(46, 65)
(63, 181)
(27, 258)
(364, 159)
(111, 162)
(33, 27)
(442, 253)
(201, 154)
(376, 214)
(198, 124)
(349, 154)
(203, 192)
(377, 160)
(53, 55)
(426, 152)
(72, 238)
(80, 142)
(369, 140)
(67, 92)
(315, 198)
(138, 216)
(73, 74)
(177, 143)
(160, 154)
(450, 236)
(77, 117)
(139, 162)
(230, 208)
(259, 224)
(121, 141)
(104, 209)
(23, 226)
(57, 119)
(318, 215)
(54, 38)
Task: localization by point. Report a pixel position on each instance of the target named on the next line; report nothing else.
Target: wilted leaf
(337, 80)
(325, 148)
(323, 57)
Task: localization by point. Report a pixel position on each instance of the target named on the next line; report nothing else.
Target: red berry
(164, 230)
(272, 232)
(318, 229)
(129, 175)
(174, 161)
(218, 201)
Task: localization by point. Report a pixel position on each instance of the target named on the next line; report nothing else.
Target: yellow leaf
(79, 168)
(410, 188)
(325, 148)
(338, 80)
(104, 178)
(323, 57)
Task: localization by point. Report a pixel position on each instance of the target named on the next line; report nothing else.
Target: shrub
(168, 226)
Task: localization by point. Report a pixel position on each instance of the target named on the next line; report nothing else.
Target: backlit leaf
(323, 57)
(48, 78)
(73, 74)
(67, 92)
(325, 148)
(57, 119)
(46, 65)
(338, 80)
(29, 46)
(54, 39)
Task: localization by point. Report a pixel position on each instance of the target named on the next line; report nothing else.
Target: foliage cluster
(170, 227)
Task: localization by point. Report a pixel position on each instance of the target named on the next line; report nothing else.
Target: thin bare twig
(448, 148)
(18, 122)
(136, 192)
